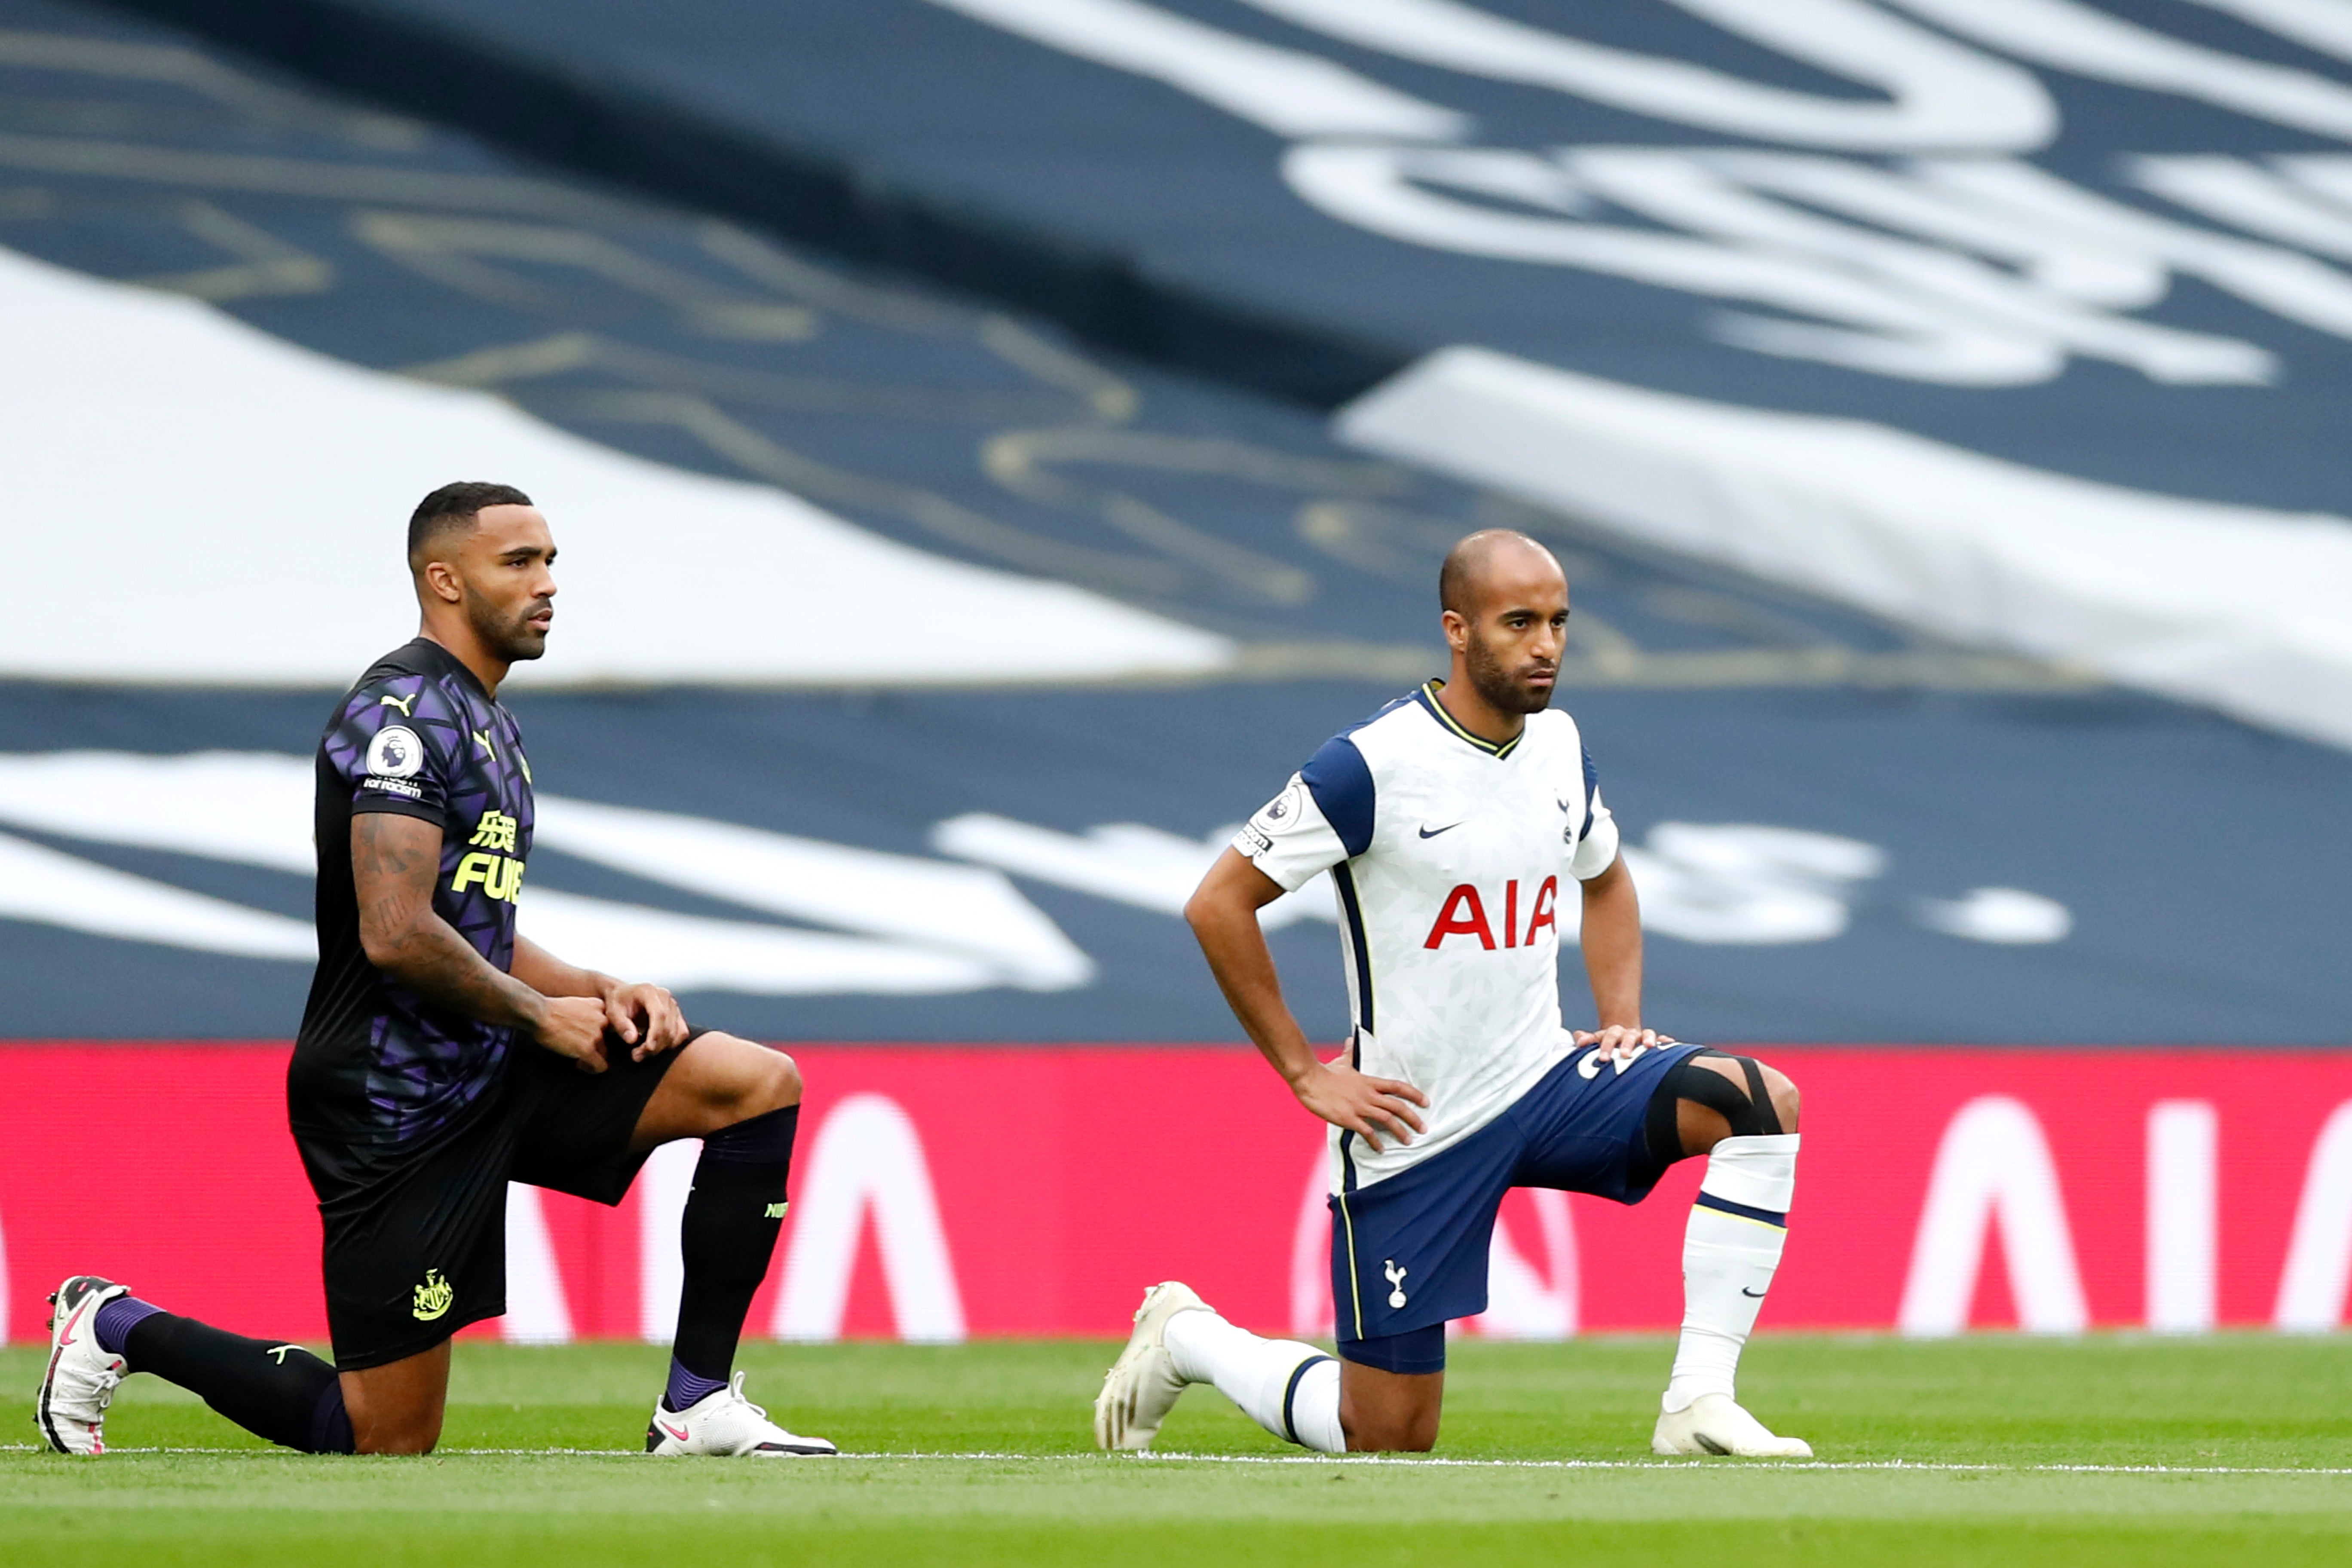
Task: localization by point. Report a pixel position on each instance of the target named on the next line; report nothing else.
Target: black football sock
(732, 1218)
(272, 1389)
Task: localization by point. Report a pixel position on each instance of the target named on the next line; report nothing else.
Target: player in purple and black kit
(443, 1054)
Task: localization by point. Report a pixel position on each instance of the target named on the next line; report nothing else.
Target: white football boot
(1141, 1387)
(81, 1379)
(725, 1423)
(1714, 1424)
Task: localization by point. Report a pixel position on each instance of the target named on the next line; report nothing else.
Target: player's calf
(743, 1102)
(1743, 1122)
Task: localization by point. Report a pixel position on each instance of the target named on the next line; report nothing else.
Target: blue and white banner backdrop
(1011, 865)
(2023, 321)
(1842, 832)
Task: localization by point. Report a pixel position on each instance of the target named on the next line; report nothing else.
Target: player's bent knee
(748, 1079)
(790, 1087)
(781, 1083)
(1714, 1096)
(1786, 1101)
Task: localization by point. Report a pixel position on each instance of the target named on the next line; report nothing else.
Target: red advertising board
(945, 1192)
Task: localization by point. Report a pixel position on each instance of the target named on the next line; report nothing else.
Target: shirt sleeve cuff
(368, 801)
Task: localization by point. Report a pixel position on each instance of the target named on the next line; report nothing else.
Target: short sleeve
(390, 747)
(1323, 815)
(1596, 843)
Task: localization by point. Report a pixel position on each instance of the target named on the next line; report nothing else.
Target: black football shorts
(418, 1250)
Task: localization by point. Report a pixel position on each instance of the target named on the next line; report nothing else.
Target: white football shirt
(1450, 856)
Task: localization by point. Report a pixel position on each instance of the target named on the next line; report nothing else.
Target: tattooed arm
(395, 860)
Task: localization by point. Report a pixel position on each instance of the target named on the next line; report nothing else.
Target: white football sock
(1729, 1254)
(1269, 1379)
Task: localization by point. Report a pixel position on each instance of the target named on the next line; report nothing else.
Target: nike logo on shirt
(1745, 1291)
(1433, 832)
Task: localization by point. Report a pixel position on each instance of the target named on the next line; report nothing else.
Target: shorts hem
(1415, 1353)
(364, 1361)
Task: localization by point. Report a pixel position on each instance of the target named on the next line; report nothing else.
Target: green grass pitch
(1995, 1451)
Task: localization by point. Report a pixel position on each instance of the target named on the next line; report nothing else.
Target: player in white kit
(1453, 821)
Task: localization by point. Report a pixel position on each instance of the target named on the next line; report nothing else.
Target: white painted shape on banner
(869, 1158)
(1969, 546)
(2007, 917)
(179, 405)
(2289, 284)
(1289, 92)
(696, 952)
(662, 1188)
(1399, 193)
(934, 927)
(1127, 862)
(1931, 222)
(1743, 883)
(2260, 199)
(942, 927)
(1940, 93)
(1994, 1168)
(1525, 1301)
(39, 884)
(253, 808)
(957, 909)
(1720, 883)
(2067, 35)
(1912, 303)
(537, 1311)
(2322, 25)
(2319, 1254)
(2183, 1204)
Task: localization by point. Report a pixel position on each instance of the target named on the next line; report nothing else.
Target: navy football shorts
(1409, 1254)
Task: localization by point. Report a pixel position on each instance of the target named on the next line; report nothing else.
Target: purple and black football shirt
(377, 1069)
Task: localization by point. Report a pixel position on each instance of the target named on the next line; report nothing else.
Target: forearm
(427, 954)
(551, 977)
(395, 860)
(1235, 947)
(1611, 941)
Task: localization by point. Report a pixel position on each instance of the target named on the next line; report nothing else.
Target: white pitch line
(1392, 1460)
(1694, 1462)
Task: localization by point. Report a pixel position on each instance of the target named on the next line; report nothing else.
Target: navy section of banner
(1011, 866)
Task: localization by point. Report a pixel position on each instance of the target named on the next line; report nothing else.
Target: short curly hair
(453, 507)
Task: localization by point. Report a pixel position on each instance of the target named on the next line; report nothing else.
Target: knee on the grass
(1388, 1414)
(417, 1435)
(1414, 1435)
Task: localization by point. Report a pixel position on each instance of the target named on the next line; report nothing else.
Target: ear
(1457, 631)
(439, 580)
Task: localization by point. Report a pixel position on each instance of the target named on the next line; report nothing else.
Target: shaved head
(1506, 612)
(1477, 561)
